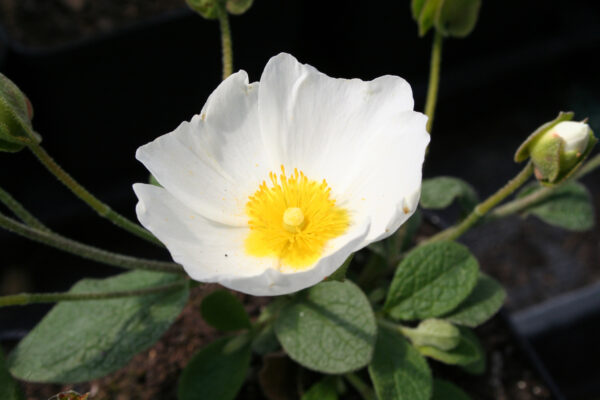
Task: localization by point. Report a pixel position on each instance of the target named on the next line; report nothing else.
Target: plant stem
(482, 208)
(522, 203)
(22, 299)
(361, 387)
(225, 39)
(13, 205)
(86, 251)
(102, 209)
(434, 78)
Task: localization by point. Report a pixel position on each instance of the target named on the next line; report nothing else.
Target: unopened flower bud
(238, 7)
(209, 9)
(450, 17)
(434, 333)
(16, 112)
(557, 149)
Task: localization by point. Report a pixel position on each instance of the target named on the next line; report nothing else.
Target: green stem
(86, 251)
(102, 209)
(434, 78)
(13, 205)
(361, 387)
(483, 208)
(22, 299)
(524, 202)
(225, 39)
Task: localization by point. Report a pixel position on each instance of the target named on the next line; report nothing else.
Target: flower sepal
(557, 149)
(16, 113)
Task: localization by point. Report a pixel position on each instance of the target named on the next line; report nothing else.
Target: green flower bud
(16, 113)
(557, 149)
(450, 17)
(206, 8)
(238, 7)
(209, 9)
(434, 333)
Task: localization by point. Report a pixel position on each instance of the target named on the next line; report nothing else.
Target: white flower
(277, 182)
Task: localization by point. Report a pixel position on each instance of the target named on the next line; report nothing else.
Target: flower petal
(214, 162)
(386, 176)
(320, 124)
(213, 252)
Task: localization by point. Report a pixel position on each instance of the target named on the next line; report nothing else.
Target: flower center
(292, 219)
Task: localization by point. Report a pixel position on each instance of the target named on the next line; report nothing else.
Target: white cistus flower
(275, 183)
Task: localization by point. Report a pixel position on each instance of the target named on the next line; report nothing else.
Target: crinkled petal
(321, 124)
(213, 252)
(214, 162)
(386, 177)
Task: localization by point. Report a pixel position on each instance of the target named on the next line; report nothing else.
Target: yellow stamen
(293, 219)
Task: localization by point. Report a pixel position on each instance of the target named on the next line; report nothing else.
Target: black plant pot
(563, 334)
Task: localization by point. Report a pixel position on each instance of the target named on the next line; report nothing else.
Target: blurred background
(106, 76)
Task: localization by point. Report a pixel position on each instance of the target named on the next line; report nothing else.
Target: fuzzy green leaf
(483, 302)
(432, 280)
(224, 311)
(468, 351)
(9, 390)
(398, 371)
(81, 341)
(216, 372)
(444, 390)
(569, 207)
(328, 328)
(440, 192)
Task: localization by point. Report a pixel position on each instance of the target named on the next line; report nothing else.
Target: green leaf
(569, 207)
(9, 390)
(328, 328)
(444, 390)
(440, 192)
(483, 302)
(468, 351)
(81, 341)
(432, 280)
(215, 373)
(457, 17)
(222, 310)
(322, 390)
(398, 371)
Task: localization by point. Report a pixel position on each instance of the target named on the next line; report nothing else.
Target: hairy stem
(483, 208)
(434, 78)
(225, 39)
(86, 251)
(22, 299)
(517, 205)
(102, 209)
(16, 208)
